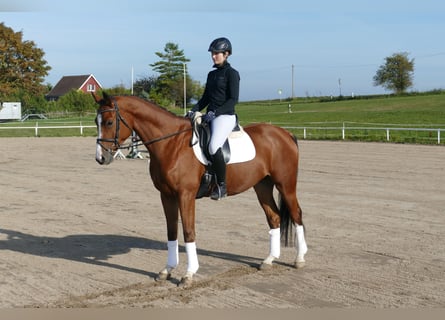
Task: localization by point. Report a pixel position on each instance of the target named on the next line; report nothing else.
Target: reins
(135, 142)
(149, 142)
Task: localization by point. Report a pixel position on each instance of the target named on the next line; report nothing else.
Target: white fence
(306, 129)
(36, 127)
(387, 131)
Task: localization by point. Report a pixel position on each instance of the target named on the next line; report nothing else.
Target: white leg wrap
(274, 237)
(173, 254)
(192, 257)
(300, 243)
(274, 253)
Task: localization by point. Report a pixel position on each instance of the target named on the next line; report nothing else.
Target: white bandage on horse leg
(274, 253)
(300, 243)
(173, 255)
(192, 257)
(274, 237)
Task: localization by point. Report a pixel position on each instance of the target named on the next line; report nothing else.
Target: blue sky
(324, 40)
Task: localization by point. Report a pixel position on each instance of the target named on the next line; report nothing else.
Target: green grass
(322, 119)
(423, 111)
(419, 111)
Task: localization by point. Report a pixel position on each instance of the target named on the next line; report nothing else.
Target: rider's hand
(209, 116)
(190, 115)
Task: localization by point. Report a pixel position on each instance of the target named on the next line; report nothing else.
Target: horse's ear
(96, 97)
(106, 98)
(102, 101)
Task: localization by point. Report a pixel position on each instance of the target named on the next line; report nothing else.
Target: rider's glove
(209, 116)
(190, 115)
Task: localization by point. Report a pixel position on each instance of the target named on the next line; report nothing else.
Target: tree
(76, 101)
(22, 67)
(396, 73)
(169, 85)
(143, 86)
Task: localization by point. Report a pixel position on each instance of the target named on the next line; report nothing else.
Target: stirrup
(219, 192)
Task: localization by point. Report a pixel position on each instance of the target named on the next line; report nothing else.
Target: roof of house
(68, 83)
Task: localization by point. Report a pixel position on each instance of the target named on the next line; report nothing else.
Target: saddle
(203, 133)
(237, 148)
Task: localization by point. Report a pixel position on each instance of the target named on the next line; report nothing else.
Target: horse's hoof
(186, 280)
(300, 264)
(162, 276)
(265, 266)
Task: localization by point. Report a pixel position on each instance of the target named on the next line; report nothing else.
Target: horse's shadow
(97, 249)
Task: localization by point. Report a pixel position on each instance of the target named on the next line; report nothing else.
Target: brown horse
(177, 173)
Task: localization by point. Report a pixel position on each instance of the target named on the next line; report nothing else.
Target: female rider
(220, 96)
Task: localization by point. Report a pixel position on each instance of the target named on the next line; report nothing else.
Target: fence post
(36, 129)
(387, 134)
(81, 129)
(343, 131)
(304, 133)
(438, 136)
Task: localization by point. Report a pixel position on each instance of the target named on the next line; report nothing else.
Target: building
(85, 83)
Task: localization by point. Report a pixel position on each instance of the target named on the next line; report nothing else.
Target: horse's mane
(147, 101)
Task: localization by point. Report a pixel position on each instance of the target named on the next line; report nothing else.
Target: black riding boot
(219, 168)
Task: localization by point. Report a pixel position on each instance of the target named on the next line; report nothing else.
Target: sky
(281, 48)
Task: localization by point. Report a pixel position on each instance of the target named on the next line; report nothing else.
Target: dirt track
(76, 234)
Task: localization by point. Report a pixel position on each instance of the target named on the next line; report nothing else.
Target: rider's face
(219, 57)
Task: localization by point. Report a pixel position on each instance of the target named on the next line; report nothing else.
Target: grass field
(363, 118)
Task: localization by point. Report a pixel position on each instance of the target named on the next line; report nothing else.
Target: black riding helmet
(221, 45)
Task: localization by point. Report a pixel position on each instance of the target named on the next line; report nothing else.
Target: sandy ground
(76, 234)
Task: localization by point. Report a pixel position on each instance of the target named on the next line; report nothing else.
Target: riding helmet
(221, 45)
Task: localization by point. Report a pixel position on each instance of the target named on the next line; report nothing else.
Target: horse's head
(112, 129)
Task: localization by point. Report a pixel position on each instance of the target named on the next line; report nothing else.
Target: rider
(220, 97)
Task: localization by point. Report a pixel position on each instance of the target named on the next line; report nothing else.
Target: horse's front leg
(170, 205)
(187, 210)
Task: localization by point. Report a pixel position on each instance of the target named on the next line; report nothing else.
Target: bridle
(119, 119)
(135, 141)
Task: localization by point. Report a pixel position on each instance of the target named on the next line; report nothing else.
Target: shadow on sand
(97, 249)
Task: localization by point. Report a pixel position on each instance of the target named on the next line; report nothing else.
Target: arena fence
(393, 134)
(38, 129)
(413, 135)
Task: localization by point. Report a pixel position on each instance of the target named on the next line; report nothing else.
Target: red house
(85, 83)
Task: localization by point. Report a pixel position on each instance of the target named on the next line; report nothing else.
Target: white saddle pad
(242, 148)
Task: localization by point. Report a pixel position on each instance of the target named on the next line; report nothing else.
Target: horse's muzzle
(104, 160)
(103, 156)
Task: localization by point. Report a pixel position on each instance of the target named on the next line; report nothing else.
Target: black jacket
(221, 91)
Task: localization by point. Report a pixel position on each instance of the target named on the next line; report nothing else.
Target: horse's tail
(286, 229)
(286, 225)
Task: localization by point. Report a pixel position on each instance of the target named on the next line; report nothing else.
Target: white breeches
(220, 128)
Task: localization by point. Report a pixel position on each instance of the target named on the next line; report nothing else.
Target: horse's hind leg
(264, 192)
(289, 200)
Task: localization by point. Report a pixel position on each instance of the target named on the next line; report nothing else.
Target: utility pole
(339, 86)
(132, 77)
(185, 91)
(293, 82)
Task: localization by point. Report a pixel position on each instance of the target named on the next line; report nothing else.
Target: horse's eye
(109, 123)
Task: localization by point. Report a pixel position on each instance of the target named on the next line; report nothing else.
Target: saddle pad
(242, 148)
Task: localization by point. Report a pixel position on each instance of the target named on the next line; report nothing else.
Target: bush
(75, 102)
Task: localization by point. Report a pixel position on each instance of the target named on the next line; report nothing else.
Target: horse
(176, 173)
